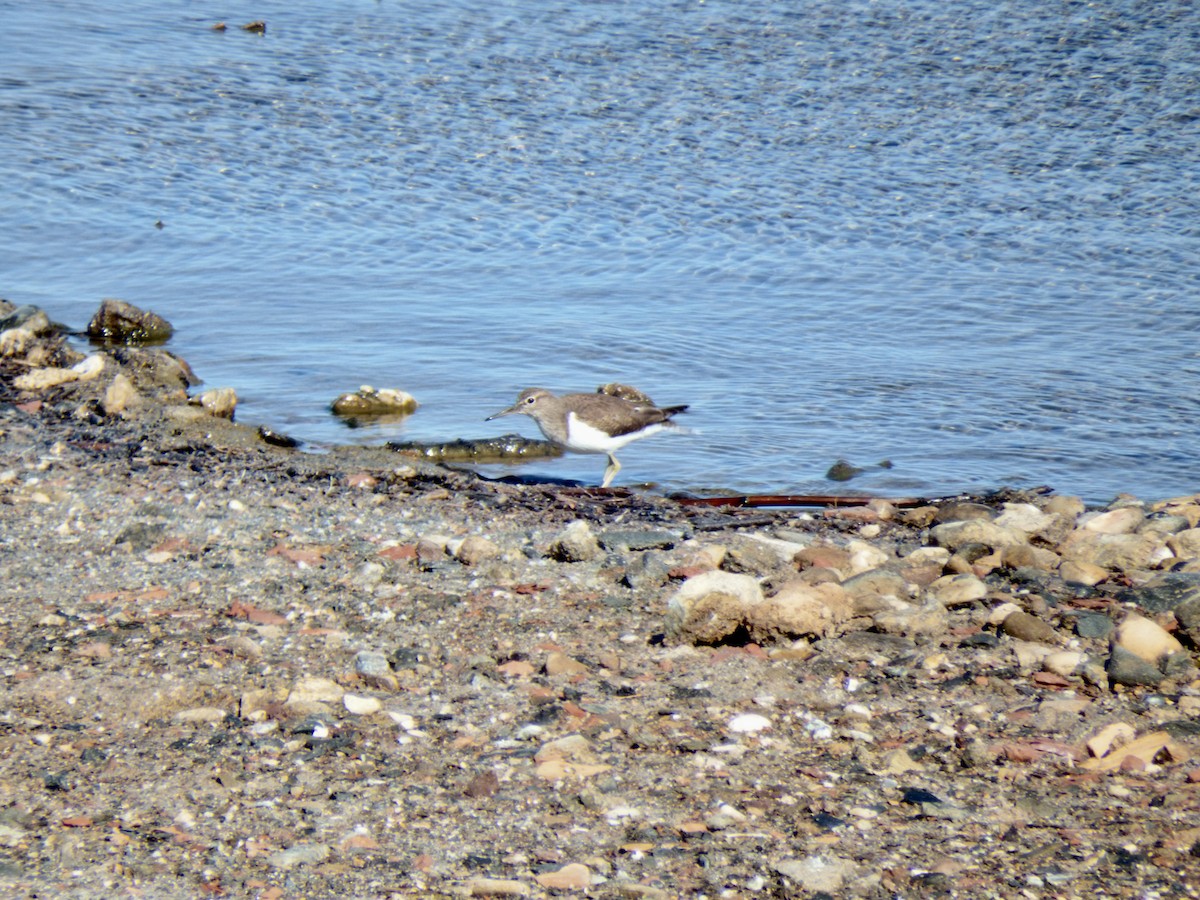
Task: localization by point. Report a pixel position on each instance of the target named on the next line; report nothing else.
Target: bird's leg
(613, 468)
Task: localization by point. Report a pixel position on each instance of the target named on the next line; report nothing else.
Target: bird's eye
(529, 400)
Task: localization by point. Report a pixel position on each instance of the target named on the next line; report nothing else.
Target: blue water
(963, 237)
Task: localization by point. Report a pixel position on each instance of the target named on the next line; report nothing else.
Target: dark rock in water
(276, 438)
(842, 471)
(367, 402)
(501, 449)
(1129, 669)
(119, 322)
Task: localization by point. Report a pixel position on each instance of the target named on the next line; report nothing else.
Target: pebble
(1023, 626)
(576, 543)
(299, 855)
(358, 705)
(1146, 639)
(817, 873)
(571, 877)
(749, 723)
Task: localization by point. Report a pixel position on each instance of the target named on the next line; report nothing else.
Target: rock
(1145, 639)
(875, 590)
(42, 379)
(963, 511)
(1123, 520)
(219, 402)
(571, 877)
(1064, 662)
(200, 714)
(496, 887)
(1130, 669)
(119, 396)
(1024, 627)
(953, 535)
(299, 855)
(576, 543)
(358, 705)
(817, 874)
(909, 620)
(369, 401)
(1115, 552)
(314, 690)
(475, 550)
(1027, 556)
(711, 606)
(558, 663)
(749, 723)
(864, 557)
(123, 323)
(89, 368)
(1185, 544)
(1093, 625)
(757, 554)
(1083, 573)
(1066, 506)
(799, 610)
(957, 590)
(821, 556)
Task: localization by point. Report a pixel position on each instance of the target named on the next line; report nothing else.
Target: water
(961, 237)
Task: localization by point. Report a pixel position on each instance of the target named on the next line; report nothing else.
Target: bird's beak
(503, 412)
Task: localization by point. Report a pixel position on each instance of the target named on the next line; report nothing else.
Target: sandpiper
(603, 422)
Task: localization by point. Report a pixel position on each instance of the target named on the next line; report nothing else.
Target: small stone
(571, 877)
(315, 690)
(1130, 669)
(475, 550)
(817, 873)
(1024, 627)
(1145, 639)
(369, 401)
(1074, 571)
(799, 610)
(1064, 662)
(560, 664)
(954, 535)
(711, 606)
(119, 395)
(577, 543)
(299, 855)
(199, 714)
(358, 705)
(41, 379)
(496, 887)
(219, 402)
(89, 368)
(957, 590)
(1111, 735)
(1123, 520)
(749, 723)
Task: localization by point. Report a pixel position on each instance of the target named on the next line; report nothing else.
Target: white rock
(749, 723)
(90, 367)
(358, 705)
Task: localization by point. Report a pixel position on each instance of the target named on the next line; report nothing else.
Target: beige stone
(957, 590)
(1145, 639)
(1123, 520)
(799, 609)
(1115, 552)
(711, 606)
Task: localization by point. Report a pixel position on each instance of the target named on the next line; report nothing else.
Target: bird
(602, 422)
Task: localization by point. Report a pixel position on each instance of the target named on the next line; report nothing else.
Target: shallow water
(959, 237)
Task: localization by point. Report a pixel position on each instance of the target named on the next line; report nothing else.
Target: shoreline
(237, 669)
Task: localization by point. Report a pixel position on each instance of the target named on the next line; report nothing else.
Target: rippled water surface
(963, 237)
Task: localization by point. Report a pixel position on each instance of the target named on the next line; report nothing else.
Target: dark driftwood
(756, 500)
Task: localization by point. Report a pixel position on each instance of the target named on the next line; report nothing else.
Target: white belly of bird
(583, 438)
